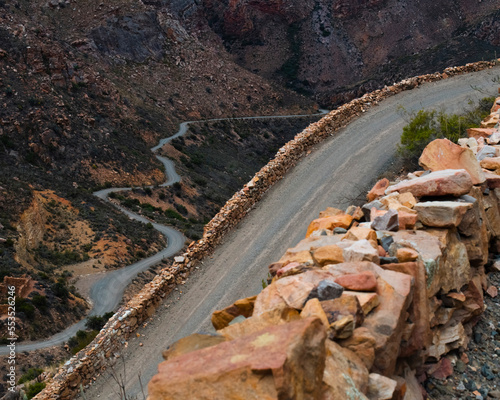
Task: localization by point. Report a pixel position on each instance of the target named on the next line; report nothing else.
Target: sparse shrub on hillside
(33, 389)
(426, 125)
(29, 375)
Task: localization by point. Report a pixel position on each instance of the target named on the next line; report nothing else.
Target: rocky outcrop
(100, 352)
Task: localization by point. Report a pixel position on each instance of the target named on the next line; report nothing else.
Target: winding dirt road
(107, 292)
(339, 170)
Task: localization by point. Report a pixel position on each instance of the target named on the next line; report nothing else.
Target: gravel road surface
(335, 173)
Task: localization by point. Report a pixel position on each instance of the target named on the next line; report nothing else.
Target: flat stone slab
(454, 182)
(441, 214)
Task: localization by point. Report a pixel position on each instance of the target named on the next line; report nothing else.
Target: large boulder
(387, 321)
(420, 338)
(454, 182)
(442, 154)
(280, 362)
(443, 254)
(441, 214)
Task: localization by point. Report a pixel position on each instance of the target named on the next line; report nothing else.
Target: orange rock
(359, 233)
(328, 255)
(222, 318)
(479, 132)
(301, 257)
(442, 154)
(381, 251)
(342, 307)
(276, 316)
(337, 221)
(490, 121)
(405, 254)
(368, 301)
(492, 291)
(362, 343)
(492, 163)
(313, 308)
(190, 343)
(362, 282)
(356, 212)
(330, 212)
(339, 386)
(378, 190)
(407, 199)
(407, 220)
(284, 361)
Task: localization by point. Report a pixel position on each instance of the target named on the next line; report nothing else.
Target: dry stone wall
(107, 345)
(372, 302)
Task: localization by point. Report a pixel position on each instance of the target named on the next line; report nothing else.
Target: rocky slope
(340, 49)
(86, 89)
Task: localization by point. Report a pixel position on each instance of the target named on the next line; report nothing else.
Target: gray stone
(388, 260)
(340, 230)
(326, 290)
(387, 222)
(368, 207)
(486, 151)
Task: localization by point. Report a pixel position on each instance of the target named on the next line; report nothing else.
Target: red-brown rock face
(327, 47)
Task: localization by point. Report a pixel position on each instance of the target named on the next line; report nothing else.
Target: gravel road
(338, 171)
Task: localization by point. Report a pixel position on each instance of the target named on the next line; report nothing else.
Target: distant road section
(107, 292)
(339, 170)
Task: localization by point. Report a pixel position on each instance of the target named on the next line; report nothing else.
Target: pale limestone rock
(440, 183)
(361, 250)
(380, 387)
(446, 339)
(441, 214)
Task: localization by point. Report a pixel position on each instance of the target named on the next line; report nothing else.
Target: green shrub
(33, 389)
(96, 322)
(31, 374)
(81, 340)
(24, 306)
(40, 302)
(424, 126)
(169, 213)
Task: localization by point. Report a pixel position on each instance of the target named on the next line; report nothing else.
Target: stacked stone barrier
(372, 302)
(106, 347)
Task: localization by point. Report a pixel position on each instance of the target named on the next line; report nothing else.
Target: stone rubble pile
(371, 302)
(106, 347)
